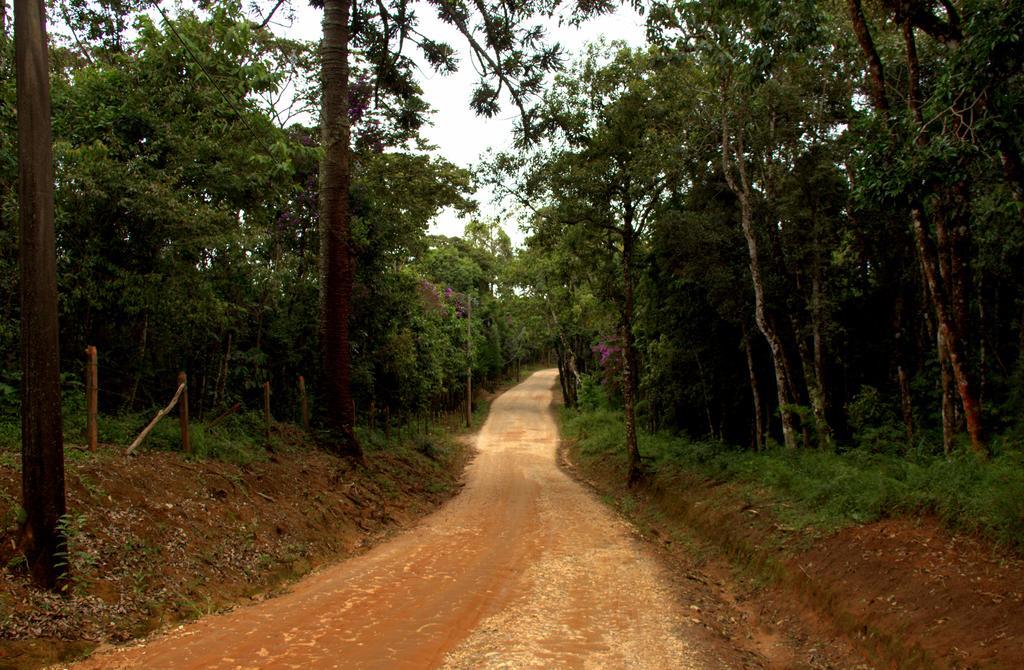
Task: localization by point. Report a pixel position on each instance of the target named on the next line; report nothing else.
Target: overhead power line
(195, 59)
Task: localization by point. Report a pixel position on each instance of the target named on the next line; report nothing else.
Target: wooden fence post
(266, 409)
(91, 397)
(305, 403)
(186, 442)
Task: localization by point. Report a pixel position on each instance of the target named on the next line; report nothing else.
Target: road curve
(523, 569)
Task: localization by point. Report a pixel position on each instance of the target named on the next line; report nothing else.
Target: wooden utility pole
(91, 397)
(42, 440)
(186, 442)
(469, 361)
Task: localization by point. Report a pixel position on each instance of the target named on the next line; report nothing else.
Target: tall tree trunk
(630, 372)
(562, 375)
(566, 361)
(949, 336)
(946, 270)
(951, 339)
(820, 405)
(42, 441)
(337, 263)
(755, 392)
(902, 379)
(949, 422)
(742, 192)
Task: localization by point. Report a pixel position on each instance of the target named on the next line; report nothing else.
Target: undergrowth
(239, 438)
(830, 490)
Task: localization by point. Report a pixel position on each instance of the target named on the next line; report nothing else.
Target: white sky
(460, 135)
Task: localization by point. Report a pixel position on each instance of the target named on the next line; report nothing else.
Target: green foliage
(591, 395)
(75, 557)
(830, 490)
(874, 422)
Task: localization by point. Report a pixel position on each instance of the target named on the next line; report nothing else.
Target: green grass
(829, 490)
(239, 439)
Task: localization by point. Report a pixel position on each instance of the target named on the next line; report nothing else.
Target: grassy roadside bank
(829, 491)
(846, 537)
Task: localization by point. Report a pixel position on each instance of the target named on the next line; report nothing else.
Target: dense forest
(791, 223)
(777, 226)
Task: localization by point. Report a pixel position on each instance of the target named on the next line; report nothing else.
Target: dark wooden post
(305, 403)
(91, 397)
(186, 442)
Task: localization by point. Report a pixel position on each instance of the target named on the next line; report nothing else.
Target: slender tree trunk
(946, 272)
(984, 342)
(949, 336)
(742, 192)
(949, 422)
(815, 391)
(337, 271)
(563, 376)
(820, 405)
(42, 441)
(906, 404)
(755, 392)
(143, 339)
(951, 339)
(222, 375)
(902, 379)
(629, 385)
(567, 361)
(704, 393)
(875, 68)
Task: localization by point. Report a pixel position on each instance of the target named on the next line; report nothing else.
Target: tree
(933, 154)
(336, 255)
(611, 167)
(42, 441)
(508, 50)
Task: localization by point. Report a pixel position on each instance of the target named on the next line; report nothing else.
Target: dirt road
(524, 569)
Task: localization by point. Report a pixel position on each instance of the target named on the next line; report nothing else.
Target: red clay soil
(955, 601)
(158, 539)
(899, 593)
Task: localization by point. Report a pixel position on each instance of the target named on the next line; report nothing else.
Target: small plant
(591, 395)
(74, 559)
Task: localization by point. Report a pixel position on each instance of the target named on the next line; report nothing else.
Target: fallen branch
(156, 419)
